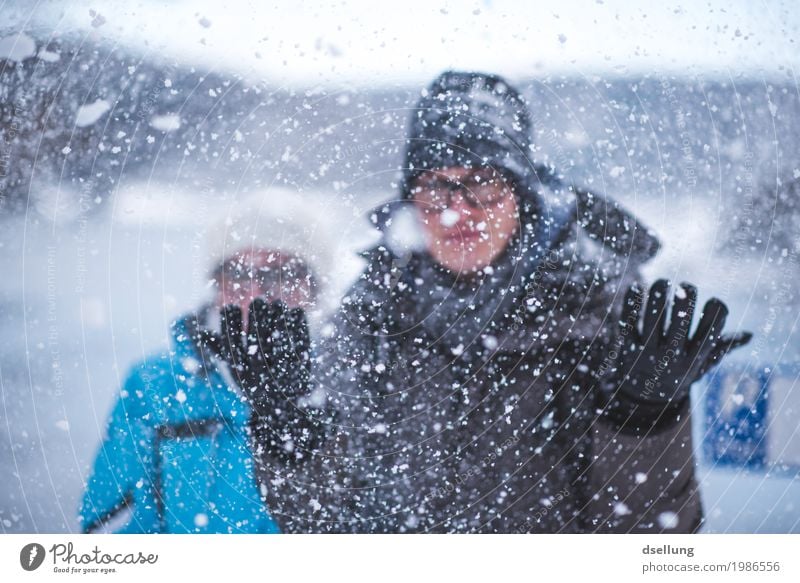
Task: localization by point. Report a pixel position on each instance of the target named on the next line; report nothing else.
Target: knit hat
(469, 120)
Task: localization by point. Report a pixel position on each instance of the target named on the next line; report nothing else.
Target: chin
(461, 265)
(464, 256)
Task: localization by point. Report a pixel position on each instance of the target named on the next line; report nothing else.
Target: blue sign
(736, 417)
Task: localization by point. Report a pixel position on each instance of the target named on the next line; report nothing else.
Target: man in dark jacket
(506, 373)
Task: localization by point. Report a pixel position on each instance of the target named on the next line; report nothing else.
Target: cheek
(432, 229)
(229, 293)
(504, 222)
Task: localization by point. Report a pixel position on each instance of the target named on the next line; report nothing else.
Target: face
(261, 273)
(469, 215)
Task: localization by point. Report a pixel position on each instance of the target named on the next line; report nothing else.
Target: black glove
(654, 368)
(271, 363)
(271, 358)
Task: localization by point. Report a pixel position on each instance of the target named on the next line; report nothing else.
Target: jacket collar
(185, 339)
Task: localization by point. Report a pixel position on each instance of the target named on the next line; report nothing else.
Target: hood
(478, 119)
(473, 119)
(469, 119)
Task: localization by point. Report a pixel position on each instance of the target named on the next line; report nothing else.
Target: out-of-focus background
(126, 128)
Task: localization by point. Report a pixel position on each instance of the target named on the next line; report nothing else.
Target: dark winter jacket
(471, 403)
(177, 450)
(498, 432)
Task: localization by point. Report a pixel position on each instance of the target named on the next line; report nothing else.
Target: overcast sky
(383, 43)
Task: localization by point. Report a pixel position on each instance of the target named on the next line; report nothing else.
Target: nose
(456, 212)
(460, 206)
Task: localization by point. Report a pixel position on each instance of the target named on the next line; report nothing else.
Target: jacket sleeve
(295, 453)
(643, 483)
(326, 492)
(122, 462)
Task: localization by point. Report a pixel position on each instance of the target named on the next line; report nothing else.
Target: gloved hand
(271, 363)
(272, 358)
(649, 382)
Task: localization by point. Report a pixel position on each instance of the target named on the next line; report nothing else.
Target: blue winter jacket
(177, 450)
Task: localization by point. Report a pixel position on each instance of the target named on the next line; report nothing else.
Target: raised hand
(658, 362)
(270, 361)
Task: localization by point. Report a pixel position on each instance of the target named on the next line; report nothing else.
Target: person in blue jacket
(177, 456)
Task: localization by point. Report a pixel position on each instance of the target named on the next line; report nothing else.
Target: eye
(481, 179)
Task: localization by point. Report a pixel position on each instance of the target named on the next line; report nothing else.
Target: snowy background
(127, 127)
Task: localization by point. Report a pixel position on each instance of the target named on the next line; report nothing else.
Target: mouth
(465, 236)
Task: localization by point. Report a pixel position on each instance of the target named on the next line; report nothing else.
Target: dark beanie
(469, 120)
